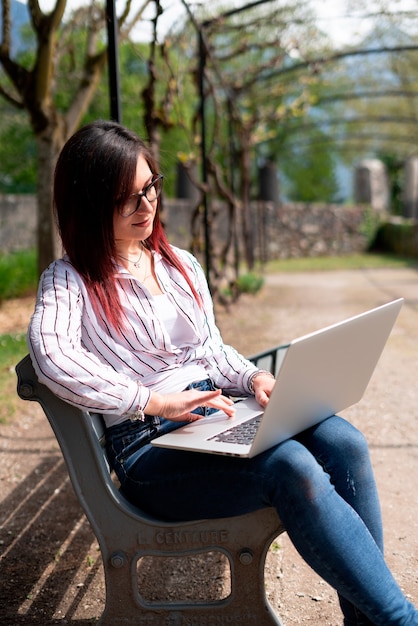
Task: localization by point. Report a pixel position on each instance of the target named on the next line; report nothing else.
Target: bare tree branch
(362, 95)
(10, 99)
(6, 29)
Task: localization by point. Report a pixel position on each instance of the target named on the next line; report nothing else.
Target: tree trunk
(49, 143)
(246, 210)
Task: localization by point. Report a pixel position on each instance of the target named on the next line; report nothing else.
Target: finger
(192, 417)
(262, 399)
(230, 411)
(186, 417)
(223, 404)
(228, 407)
(210, 395)
(217, 401)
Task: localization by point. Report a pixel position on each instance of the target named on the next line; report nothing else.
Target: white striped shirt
(88, 363)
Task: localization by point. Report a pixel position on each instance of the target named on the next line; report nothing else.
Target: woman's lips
(143, 222)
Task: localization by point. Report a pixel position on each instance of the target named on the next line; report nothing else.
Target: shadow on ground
(46, 549)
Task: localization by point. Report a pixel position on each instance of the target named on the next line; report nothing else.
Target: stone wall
(17, 222)
(309, 230)
(285, 230)
(278, 231)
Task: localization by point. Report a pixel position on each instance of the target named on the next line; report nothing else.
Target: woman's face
(137, 226)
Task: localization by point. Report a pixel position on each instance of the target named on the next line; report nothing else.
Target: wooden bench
(126, 534)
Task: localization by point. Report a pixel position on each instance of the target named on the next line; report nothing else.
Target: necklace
(136, 263)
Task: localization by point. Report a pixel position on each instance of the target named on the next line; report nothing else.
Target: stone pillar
(268, 184)
(185, 189)
(410, 191)
(371, 184)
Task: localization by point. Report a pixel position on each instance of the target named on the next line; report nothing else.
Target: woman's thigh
(343, 452)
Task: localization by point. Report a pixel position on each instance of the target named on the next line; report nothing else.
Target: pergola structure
(315, 65)
(203, 50)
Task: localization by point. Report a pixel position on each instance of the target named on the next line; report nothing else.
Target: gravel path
(295, 304)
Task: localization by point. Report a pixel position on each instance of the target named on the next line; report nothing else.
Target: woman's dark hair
(95, 173)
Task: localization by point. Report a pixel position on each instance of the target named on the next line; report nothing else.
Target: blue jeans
(321, 483)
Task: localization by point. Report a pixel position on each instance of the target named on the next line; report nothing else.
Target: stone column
(268, 184)
(185, 188)
(371, 184)
(410, 191)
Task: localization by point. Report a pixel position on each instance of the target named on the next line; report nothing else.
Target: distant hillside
(20, 17)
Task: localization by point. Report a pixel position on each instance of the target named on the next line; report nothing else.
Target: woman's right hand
(178, 407)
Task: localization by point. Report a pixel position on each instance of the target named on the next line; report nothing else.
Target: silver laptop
(320, 374)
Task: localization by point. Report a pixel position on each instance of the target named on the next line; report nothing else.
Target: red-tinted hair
(95, 174)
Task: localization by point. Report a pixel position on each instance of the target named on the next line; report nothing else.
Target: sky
(342, 30)
(332, 16)
(343, 26)
(330, 13)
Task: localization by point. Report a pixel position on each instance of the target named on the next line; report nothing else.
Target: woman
(124, 326)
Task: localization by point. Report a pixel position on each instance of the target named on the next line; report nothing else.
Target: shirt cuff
(254, 375)
(139, 404)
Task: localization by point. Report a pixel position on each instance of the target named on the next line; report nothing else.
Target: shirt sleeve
(60, 360)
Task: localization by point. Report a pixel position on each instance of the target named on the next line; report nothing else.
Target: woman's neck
(129, 249)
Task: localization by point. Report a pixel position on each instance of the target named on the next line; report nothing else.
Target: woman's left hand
(263, 385)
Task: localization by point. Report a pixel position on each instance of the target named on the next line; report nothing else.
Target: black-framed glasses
(151, 192)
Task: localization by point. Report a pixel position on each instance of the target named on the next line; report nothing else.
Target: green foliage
(370, 225)
(395, 170)
(275, 547)
(309, 172)
(249, 283)
(12, 349)
(18, 274)
(397, 236)
(17, 144)
(17, 153)
(133, 76)
(176, 121)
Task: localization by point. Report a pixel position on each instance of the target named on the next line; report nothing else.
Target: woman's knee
(295, 468)
(339, 437)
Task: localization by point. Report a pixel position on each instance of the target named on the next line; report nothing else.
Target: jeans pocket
(203, 385)
(125, 441)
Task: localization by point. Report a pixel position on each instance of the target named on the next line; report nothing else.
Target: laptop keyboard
(243, 433)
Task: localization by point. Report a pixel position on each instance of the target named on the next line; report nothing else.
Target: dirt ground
(50, 567)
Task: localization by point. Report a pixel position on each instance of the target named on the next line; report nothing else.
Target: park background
(304, 114)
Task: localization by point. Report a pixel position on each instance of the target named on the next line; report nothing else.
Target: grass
(12, 349)
(18, 278)
(18, 274)
(353, 262)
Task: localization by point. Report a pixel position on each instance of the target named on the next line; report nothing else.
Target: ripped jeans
(321, 483)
